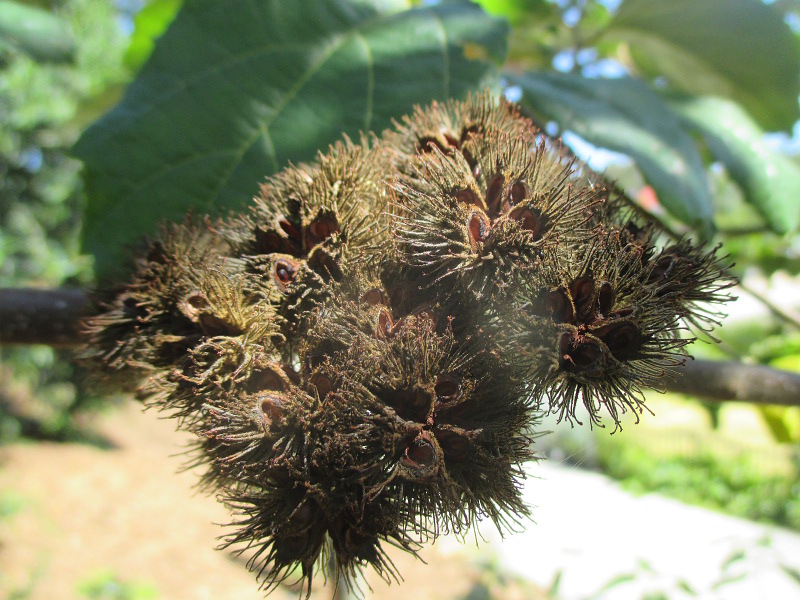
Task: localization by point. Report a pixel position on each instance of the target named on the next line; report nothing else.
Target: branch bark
(738, 382)
(52, 317)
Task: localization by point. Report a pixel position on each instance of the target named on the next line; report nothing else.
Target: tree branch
(734, 381)
(52, 317)
(31, 316)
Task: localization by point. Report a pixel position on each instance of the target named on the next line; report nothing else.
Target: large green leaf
(235, 90)
(626, 116)
(35, 31)
(769, 179)
(740, 49)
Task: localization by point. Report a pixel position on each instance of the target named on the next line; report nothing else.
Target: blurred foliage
(41, 100)
(105, 585)
(735, 482)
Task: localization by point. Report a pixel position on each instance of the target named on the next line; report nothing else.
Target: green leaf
(37, 32)
(235, 90)
(770, 180)
(149, 24)
(626, 116)
(740, 49)
(519, 11)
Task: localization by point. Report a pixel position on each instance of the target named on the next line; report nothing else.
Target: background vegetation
(690, 105)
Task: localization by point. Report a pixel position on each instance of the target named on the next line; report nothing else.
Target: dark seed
(213, 326)
(468, 197)
(585, 356)
(324, 264)
(469, 131)
(355, 542)
(285, 271)
(426, 144)
(269, 378)
(289, 229)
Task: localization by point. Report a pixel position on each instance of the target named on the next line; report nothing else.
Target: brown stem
(718, 381)
(31, 316)
(52, 317)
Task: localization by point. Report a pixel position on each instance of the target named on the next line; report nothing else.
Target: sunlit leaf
(770, 180)
(149, 24)
(235, 90)
(626, 116)
(740, 49)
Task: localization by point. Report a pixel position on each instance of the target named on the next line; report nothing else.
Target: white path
(591, 531)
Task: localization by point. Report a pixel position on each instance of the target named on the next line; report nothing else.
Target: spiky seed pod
(455, 411)
(308, 220)
(693, 280)
(448, 127)
(478, 235)
(591, 333)
(142, 327)
(427, 332)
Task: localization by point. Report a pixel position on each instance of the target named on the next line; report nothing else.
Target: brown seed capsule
(413, 404)
(605, 298)
(193, 305)
(271, 377)
(447, 390)
(289, 229)
(421, 457)
(516, 194)
(467, 196)
(494, 194)
(271, 408)
(269, 241)
(427, 143)
(582, 292)
(324, 264)
(284, 271)
(622, 338)
(374, 297)
(529, 220)
(558, 301)
(216, 326)
(454, 442)
(579, 354)
(322, 384)
(385, 328)
(320, 229)
(478, 226)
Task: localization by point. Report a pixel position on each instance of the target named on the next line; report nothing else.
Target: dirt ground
(75, 515)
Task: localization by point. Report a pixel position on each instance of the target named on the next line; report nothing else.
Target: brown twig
(733, 381)
(32, 316)
(52, 317)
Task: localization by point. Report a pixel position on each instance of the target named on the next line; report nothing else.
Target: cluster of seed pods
(363, 354)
